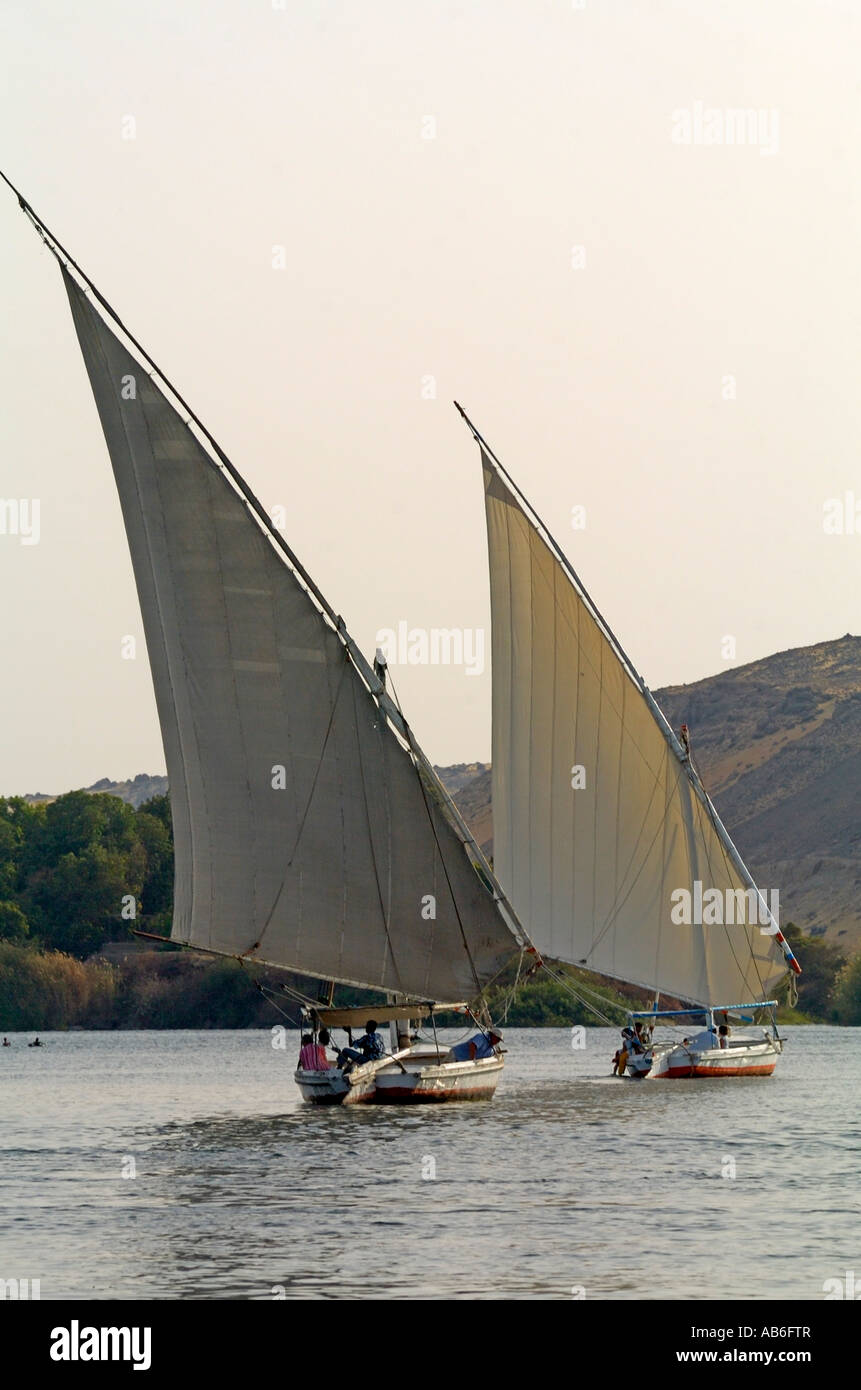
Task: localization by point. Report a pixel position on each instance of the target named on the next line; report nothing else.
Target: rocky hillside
(461, 775)
(778, 745)
(136, 791)
(473, 800)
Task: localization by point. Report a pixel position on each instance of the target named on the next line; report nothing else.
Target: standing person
(369, 1048)
(621, 1058)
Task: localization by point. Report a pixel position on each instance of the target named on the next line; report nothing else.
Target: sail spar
(598, 816)
(309, 833)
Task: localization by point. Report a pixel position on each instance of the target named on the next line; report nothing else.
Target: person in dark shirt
(368, 1048)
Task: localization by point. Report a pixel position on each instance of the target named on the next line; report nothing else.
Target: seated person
(723, 1035)
(368, 1049)
(701, 1042)
(312, 1056)
(481, 1045)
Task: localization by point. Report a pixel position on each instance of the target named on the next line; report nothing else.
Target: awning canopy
(382, 1013)
(698, 1011)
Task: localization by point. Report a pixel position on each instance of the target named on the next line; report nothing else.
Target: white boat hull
(438, 1081)
(674, 1062)
(416, 1078)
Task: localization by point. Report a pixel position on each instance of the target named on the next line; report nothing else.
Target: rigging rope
(565, 983)
(303, 999)
(513, 991)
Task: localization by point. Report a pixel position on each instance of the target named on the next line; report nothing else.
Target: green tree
(73, 822)
(158, 806)
(821, 965)
(153, 828)
(81, 862)
(13, 924)
(847, 995)
(79, 901)
(17, 820)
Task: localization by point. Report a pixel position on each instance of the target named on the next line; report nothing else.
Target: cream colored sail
(306, 835)
(592, 868)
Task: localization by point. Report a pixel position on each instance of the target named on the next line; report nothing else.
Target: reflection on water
(568, 1178)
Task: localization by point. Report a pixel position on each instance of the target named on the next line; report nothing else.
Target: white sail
(591, 868)
(305, 835)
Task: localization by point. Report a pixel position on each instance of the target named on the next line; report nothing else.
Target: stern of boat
(332, 1087)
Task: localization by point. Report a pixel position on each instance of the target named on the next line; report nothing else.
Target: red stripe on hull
(403, 1095)
(677, 1072)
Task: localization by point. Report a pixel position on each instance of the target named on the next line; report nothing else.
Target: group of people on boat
(370, 1048)
(638, 1039)
(708, 1038)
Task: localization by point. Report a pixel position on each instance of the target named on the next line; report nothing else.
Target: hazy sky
(689, 376)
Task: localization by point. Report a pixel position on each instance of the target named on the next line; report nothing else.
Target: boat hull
(677, 1063)
(421, 1078)
(438, 1082)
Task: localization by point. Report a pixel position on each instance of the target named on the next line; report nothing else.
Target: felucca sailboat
(311, 833)
(601, 823)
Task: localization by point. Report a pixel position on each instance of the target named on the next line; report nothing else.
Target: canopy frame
(706, 1009)
(386, 1013)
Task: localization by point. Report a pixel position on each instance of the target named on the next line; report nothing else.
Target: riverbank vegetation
(43, 991)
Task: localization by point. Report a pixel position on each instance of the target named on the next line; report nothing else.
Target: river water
(570, 1183)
